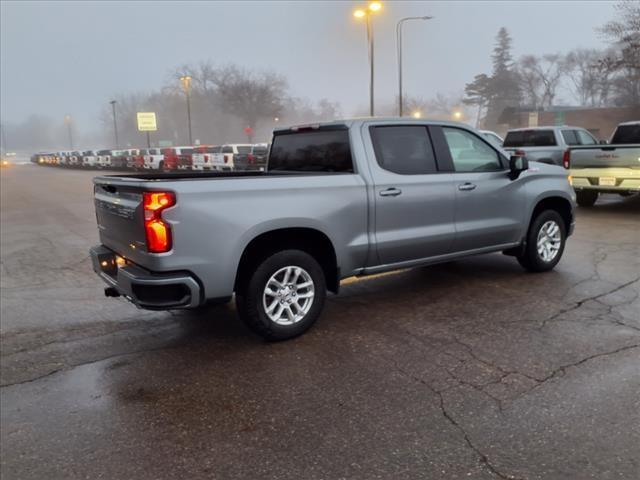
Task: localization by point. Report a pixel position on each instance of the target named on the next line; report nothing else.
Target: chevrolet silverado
(338, 199)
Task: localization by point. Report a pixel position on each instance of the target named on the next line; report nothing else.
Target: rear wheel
(586, 198)
(283, 297)
(545, 242)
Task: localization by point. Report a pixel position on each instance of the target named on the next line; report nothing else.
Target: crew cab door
(414, 202)
(489, 206)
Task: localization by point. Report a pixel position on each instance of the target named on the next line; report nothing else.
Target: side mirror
(517, 165)
(603, 142)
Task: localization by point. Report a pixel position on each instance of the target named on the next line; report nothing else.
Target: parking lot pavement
(472, 369)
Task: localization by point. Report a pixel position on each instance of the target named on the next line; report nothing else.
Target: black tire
(250, 292)
(161, 165)
(530, 259)
(586, 198)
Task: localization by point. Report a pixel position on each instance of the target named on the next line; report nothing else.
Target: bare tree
(589, 73)
(624, 34)
(541, 77)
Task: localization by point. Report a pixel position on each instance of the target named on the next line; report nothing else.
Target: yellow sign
(147, 122)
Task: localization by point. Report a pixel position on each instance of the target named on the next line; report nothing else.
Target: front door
(489, 207)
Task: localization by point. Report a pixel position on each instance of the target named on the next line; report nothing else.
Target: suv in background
(256, 159)
(546, 144)
(203, 157)
(89, 158)
(174, 158)
(152, 158)
(229, 152)
(104, 159)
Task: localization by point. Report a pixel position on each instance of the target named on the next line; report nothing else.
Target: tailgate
(618, 156)
(120, 217)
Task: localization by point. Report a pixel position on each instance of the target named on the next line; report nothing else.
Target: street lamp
(399, 46)
(67, 122)
(276, 119)
(457, 115)
(185, 80)
(373, 7)
(417, 114)
(115, 122)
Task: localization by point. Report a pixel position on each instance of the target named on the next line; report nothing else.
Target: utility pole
(115, 122)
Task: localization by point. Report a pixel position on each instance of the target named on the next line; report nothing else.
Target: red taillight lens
(226, 159)
(250, 158)
(566, 159)
(158, 232)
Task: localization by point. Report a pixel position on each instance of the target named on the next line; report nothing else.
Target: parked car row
(200, 157)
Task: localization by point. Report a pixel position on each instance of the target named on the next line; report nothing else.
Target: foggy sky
(72, 57)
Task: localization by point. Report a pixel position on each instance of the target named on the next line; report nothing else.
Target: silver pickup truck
(338, 199)
(546, 144)
(611, 168)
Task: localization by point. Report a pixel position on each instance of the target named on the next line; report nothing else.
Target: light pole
(185, 80)
(115, 122)
(67, 122)
(399, 53)
(373, 7)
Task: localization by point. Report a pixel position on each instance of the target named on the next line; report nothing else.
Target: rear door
(489, 206)
(414, 201)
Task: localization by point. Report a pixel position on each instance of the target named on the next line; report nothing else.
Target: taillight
(226, 159)
(206, 158)
(250, 158)
(158, 232)
(566, 159)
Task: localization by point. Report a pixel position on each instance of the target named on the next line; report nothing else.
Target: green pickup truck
(610, 168)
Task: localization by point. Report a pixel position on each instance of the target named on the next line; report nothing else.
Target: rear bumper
(145, 289)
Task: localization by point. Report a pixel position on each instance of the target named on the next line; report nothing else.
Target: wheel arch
(558, 203)
(310, 240)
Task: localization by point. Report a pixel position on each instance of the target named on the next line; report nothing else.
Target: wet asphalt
(472, 369)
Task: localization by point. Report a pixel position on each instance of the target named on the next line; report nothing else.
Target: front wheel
(283, 297)
(545, 242)
(586, 198)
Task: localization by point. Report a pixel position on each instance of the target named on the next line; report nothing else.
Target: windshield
(530, 138)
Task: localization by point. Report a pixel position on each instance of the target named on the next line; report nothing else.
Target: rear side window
(626, 134)
(227, 149)
(244, 150)
(405, 150)
(570, 137)
(213, 149)
(312, 151)
(530, 138)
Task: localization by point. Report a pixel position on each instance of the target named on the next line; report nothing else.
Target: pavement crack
(581, 302)
(484, 459)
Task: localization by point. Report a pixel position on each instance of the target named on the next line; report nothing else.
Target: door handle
(464, 187)
(390, 192)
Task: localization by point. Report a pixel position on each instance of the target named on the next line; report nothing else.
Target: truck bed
(207, 175)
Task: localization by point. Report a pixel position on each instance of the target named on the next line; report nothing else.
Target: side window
(570, 137)
(585, 138)
(227, 149)
(469, 153)
(405, 150)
